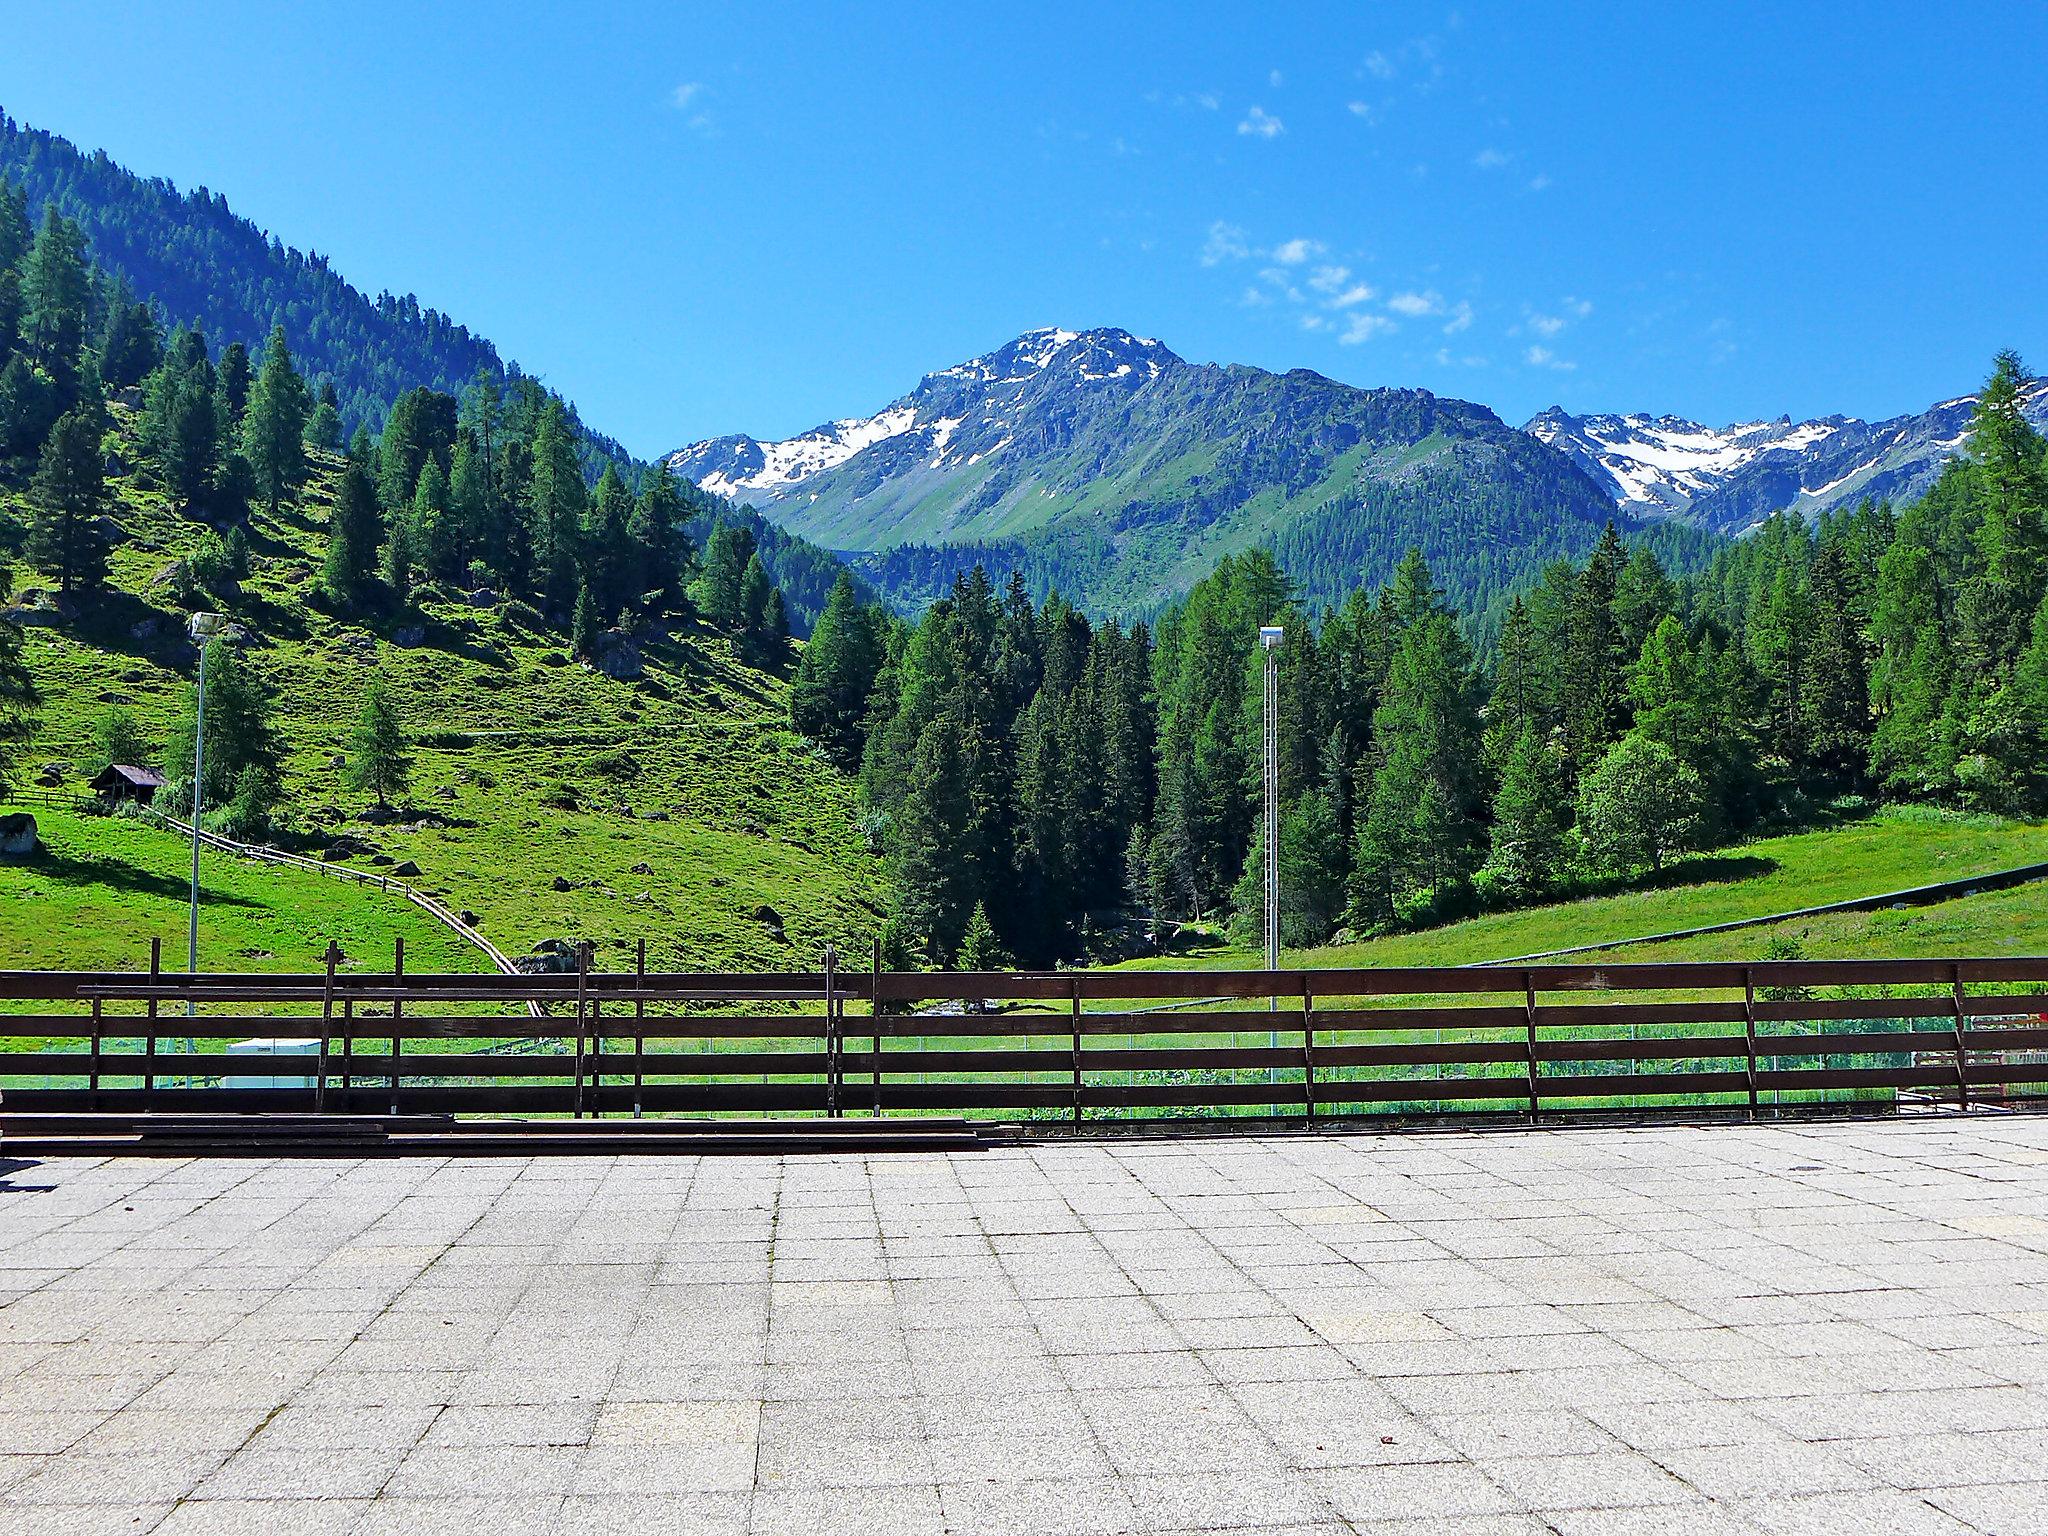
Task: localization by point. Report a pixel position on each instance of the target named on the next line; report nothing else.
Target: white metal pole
(1269, 643)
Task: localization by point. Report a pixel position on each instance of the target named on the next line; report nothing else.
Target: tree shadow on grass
(81, 873)
(1719, 869)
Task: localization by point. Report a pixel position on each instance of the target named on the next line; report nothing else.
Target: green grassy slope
(104, 886)
(1889, 851)
(689, 771)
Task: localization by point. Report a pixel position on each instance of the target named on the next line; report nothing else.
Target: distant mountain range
(1730, 478)
(1100, 463)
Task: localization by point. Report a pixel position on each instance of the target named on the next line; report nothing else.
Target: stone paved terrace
(1831, 1328)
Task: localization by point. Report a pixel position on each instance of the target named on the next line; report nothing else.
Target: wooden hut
(124, 781)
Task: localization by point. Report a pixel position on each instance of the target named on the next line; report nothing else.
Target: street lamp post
(1270, 636)
(202, 628)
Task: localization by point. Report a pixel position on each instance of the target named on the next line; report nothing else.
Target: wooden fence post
(397, 1013)
(333, 958)
(639, 1027)
(1308, 1050)
(1077, 1048)
(156, 971)
(582, 994)
(1962, 1050)
(1749, 1033)
(1529, 997)
(875, 1014)
(348, 1054)
(832, 1040)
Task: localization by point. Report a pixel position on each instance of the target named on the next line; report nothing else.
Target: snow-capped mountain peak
(967, 412)
(1734, 476)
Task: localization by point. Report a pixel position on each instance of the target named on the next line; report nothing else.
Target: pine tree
(980, 950)
(612, 561)
(379, 760)
(352, 535)
(68, 497)
(1835, 703)
(556, 498)
(1421, 833)
(233, 379)
(401, 554)
(719, 593)
(130, 346)
(2010, 479)
(437, 528)
(323, 426)
(585, 629)
(828, 698)
(1517, 704)
(755, 586)
(29, 407)
(1594, 659)
(661, 543)
(181, 421)
(56, 294)
(274, 425)
(1531, 812)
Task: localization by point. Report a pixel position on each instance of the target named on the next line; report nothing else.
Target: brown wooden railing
(1536, 1042)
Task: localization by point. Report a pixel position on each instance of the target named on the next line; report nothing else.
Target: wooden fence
(1532, 1042)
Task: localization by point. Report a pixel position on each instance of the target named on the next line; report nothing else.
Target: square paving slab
(1826, 1328)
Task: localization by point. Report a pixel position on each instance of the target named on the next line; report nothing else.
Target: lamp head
(1270, 636)
(203, 626)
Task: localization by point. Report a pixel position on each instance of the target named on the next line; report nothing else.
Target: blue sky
(704, 218)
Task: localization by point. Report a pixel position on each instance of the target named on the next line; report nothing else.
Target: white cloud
(1543, 357)
(1292, 253)
(1226, 242)
(1255, 298)
(1261, 124)
(1314, 323)
(681, 97)
(1546, 325)
(1362, 109)
(1489, 159)
(1379, 66)
(1363, 326)
(1275, 79)
(1208, 101)
(1330, 279)
(1539, 183)
(1461, 319)
(1578, 307)
(1416, 305)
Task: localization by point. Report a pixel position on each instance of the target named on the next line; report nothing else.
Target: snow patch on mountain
(1732, 477)
(988, 390)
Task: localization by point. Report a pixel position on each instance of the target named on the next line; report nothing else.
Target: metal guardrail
(1537, 1042)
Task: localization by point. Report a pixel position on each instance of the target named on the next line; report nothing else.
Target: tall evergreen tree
(555, 503)
(56, 295)
(353, 534)
(828, 698)
(68, 498)
(234, 378)
(380, 760)
(274, 424)
(1531, 812)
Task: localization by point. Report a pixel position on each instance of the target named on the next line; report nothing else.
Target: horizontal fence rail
(1532, 1042)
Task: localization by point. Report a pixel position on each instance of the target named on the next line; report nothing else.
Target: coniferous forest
(1029, 775)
